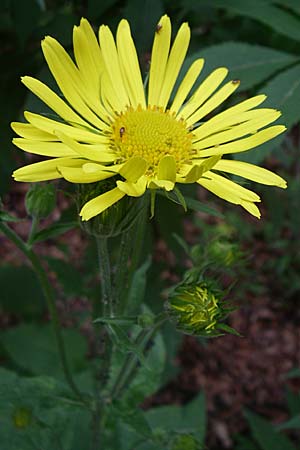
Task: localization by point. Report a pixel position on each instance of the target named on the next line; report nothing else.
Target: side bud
(40, 200)
(198, 309)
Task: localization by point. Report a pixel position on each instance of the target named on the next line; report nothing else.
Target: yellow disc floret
(151, 134)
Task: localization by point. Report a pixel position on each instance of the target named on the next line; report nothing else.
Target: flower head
(198, 309)
(108, 126)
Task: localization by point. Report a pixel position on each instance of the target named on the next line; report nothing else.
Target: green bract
(117, 219)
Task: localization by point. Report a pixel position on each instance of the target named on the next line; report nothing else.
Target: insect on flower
(158, 28)
(122, 131)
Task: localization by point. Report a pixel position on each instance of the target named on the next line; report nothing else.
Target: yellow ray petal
(215, 125)
(187, 84)
(95, 167)
(133, 169)
(204, 91)
(175, 61)
(45, 170)
(53, 101)
(199, 169)
(97, 152)
(52, 126)
(109, 97)
(161, 184)
(238, 131)
(88, 56)
(133, 189)
(251, 208)
(44, 148)
(227, 189)
(212, 103)
(242, 145)
(167, 168)
(129, 64)
(251, 172)
(68, 80)
(159, 58)
(78, 175)
(112, 65)
(99, 204)
(231, 192)
(26, 130)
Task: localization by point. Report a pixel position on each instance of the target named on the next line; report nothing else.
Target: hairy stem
(105, 275)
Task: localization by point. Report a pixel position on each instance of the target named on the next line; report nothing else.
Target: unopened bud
(145, 320)
(197, 309)
(40, 200)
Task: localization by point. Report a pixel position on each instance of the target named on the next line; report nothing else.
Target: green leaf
(194, 414)
(279, 20)
(294, 5)
(265, 434)
(138, 287)
(135, 418)
(148, 376)
(54, 231)
(292, 423)
(293, 373)
(190, 418)
(228, 329)
(195, 205)
(6, 217)
(283, 91)
(293, 401)
(21, 293)
(251, 64)
(36, 413)
(168, 417)
(33, 348)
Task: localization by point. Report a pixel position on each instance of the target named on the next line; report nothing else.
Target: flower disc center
(151, 134)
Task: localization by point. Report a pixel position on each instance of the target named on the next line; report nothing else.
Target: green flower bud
(224, 252)
(197, 309)
(22, 417)
(115, 220)
(40, 200)
(145, 320)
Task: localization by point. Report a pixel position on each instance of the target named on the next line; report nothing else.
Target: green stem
(34, 226)
(105, 274)
(49, 296)
(128, 368)
(121, 277)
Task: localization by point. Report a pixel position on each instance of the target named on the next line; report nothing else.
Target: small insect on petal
(158, 28)
(235, 81)
(122, 131)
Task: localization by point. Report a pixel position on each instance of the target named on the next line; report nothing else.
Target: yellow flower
(108, 126)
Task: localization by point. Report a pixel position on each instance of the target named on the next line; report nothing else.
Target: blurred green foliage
(258, 40)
